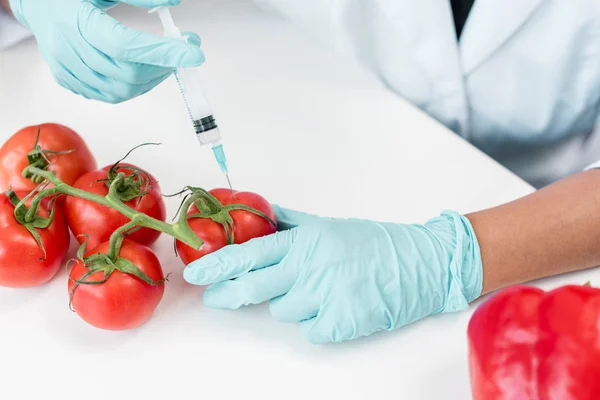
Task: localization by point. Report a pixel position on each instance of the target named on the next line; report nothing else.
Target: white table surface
(307, 129)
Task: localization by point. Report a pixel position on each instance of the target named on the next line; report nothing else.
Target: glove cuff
(466, 268)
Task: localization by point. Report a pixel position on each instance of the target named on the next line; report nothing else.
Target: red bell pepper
(528, 344)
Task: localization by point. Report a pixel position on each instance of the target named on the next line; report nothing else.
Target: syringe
(197, 105)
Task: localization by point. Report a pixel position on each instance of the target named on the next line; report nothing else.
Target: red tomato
(53, 137)
(246, 224)
(124, 301)
(21, 263)
(99, 222)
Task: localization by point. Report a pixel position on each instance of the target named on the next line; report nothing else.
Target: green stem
(186, 206)
(182, 225)
(116, 240)
(180, 230)
(37, 200)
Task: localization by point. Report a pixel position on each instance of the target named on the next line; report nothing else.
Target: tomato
(22, 262)
(52, 137)
(124, 301)
(212, 234)
(98, 222)
(246, 225)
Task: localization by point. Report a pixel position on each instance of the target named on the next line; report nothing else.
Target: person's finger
(136, 74)
(193, 38)
(125, 44)
(151, 3)
(288, 219)
(110, 90)
(331, 325)
(126, 92)
(122, 71)
(64, 77)
(253, 288)
(146, 87)
(298, 304)
(342, 317)
(236, 260)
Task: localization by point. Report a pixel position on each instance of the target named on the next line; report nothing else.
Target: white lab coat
(523, 85)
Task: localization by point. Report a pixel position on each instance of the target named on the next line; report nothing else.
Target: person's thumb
(150, 3)
(192, 38)
(288, 219)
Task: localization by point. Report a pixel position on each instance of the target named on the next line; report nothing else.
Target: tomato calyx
(210, 207)
(32, 223)
(40, 158)
(133, 186)
(179, 230)
(105, 264)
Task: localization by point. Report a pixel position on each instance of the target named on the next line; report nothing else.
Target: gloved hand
(343, 279)
(95, 56)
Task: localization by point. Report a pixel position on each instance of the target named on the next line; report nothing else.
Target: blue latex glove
(95, 56)
(343, 279)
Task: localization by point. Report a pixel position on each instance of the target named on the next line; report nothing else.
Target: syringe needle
(230, 187)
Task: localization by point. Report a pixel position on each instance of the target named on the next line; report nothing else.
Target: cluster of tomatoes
(113, 300)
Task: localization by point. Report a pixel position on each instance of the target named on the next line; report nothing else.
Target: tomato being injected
(224, 217)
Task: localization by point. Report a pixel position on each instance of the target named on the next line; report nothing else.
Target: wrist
(549, 232)
(456, 234)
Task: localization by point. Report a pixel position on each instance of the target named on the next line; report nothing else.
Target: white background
(308, 130)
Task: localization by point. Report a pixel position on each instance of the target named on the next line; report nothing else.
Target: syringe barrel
(190, 82)
(191, 85)
(211, 137)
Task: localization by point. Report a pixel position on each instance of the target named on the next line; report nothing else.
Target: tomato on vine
(32, 249)
(139, 191)
(118, 291)
(221, 217)
(50, 147)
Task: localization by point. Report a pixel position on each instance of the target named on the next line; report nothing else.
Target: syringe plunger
(190, 84)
